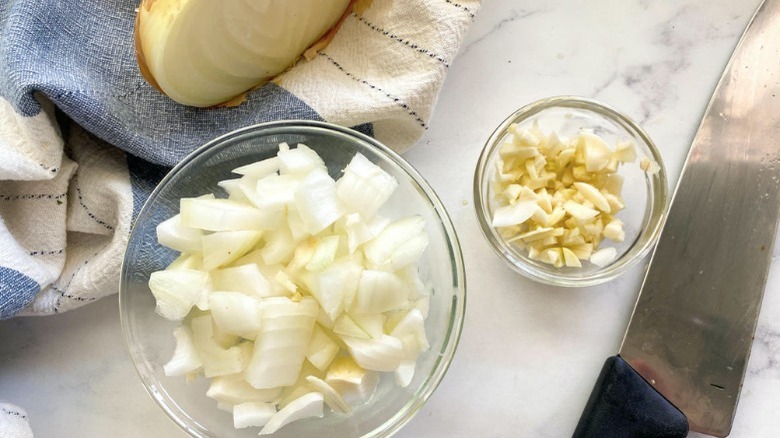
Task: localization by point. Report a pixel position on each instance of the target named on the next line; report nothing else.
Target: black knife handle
(624, 405)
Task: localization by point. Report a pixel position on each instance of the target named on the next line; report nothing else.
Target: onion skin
(145, 7)
(139, 52)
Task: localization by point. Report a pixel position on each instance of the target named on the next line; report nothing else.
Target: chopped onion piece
(373, 324)
(299, 161)
(275, 191)
(252, 414)
(282, 343)
(185, 358)
(234, 389)
(187, 260)
(316, 201)
(380, 291)
(303, 254)
(423, 304)
(408, 253)
(346, 326)
(324, 253)
(176, 291)
(279, 246)
(335, 287)
(217, 361)
(259, 169)
(383, 354)
(223, 215)
(174, 235)
(413, 323)
(222, 338)
(248, 186)
(309, 405)
(269, 271)
(405, 372)
(300, 388)
(365, 187)
(357, 231)
(234, 190)
(324, 320)
(399, 244)
(322, 349)
(411, 277)
(331, 396)
(221, 248)
(355, 384)
(296, 225)
(247, 279)
(236, 313)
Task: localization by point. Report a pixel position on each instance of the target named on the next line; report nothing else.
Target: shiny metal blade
(693, 325)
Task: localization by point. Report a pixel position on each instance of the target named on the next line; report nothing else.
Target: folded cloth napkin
(84, 139)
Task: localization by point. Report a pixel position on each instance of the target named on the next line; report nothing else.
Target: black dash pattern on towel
(14, 413)
(72, 297)
(460, 6)
(81, 201)
(47, 252)
(31, 196)
(395, 99)
(405, 42)
(63, 291)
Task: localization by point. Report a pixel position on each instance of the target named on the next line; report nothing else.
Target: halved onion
(206, 52)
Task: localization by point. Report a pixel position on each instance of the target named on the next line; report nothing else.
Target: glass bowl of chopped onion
(293, 279)
(570, 192)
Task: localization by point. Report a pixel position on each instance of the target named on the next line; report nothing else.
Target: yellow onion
(209, 52)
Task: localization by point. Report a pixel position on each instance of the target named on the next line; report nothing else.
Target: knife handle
(624, 405)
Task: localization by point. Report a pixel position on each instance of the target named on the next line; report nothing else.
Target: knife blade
(683, 358)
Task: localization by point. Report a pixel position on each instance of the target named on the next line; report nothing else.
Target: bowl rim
(656, 217)
(457, 314)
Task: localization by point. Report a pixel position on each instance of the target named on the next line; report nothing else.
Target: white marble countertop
(529, 354)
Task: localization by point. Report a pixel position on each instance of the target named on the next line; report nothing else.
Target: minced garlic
(649, 166)
(557, 198)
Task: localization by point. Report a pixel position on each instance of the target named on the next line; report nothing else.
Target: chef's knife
(683, 357)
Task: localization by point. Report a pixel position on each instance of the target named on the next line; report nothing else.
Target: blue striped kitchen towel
(84, 139)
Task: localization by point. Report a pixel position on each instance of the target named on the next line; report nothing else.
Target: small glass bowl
(645, 195)
(149, 337)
